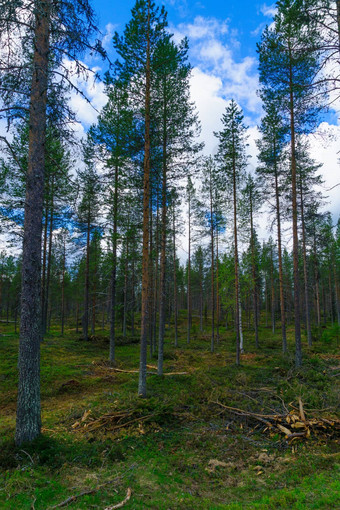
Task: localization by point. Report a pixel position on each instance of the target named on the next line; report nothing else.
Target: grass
(166, 459)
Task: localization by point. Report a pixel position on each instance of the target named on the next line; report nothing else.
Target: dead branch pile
(293, 424)
(110, 421)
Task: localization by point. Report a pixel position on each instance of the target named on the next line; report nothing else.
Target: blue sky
(222, 50)
(222, 41)
(246, 17)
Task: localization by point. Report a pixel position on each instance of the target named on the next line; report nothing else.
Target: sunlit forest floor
(179, 448)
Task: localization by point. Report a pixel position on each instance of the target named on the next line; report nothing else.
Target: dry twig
(122, 503)
(73, 498)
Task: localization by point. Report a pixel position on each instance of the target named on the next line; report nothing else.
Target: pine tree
(137, 47)
(87, 214)
(115, 134)
(212, 222)
(324, 17)
(307, 180)
(178, 126)
(272, 173)
(53, 30)
(287, 70)
(251, 205)
(232, 160)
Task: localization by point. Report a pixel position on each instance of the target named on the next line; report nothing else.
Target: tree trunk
(316, 277)
(201, 299)
(305, 272)
(217, 293)
(212, 346)
(43, 271)
(237, 287)
(146, 198)
(87, 283)
(189, 272)
(94, 290)
(156, 279)
(253, 268)
(151, 284)
(298, 350)
(272, 288)
(163, 250)
(28, 421)
(240, 322)
(282, 299)
(175, 278)
(63, 292)
(336, 292)
(266, 298)
(125, 287)
(49, 259)
(114, 269)
(133, 296)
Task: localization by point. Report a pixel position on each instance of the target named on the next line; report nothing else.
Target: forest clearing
(169, 254)
(178, 448)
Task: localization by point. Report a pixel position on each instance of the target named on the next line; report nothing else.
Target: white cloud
(87, 110)
(201, 28)
(110, 29)
(212, 49)
(268, 11)
(324, 148)
(206, 93)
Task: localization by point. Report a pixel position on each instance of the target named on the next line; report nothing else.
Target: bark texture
(28, 422)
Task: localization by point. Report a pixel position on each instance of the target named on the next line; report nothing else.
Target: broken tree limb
(302, 414)
(120, 370)
(122, 503)
(73, 498)
(296, 420)
(248, 413)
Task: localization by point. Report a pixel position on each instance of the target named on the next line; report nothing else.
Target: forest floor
(179, 448)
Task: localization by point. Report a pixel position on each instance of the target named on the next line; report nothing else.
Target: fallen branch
(248, 413)
(73, 498)
(122, 425)
(177, 373)
(122, 503)
(295, 419)
(112, 421)
(302, 414)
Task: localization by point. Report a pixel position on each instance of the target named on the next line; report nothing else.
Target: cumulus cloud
(268, 11)
(212, 48)
(324, 148)
(206, 93)
(88, 97)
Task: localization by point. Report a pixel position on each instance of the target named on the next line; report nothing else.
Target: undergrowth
(178, 448)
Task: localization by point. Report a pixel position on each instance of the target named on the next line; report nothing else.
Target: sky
(222, 41)
(222, 51)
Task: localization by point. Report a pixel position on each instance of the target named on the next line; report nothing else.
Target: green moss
(165, 459)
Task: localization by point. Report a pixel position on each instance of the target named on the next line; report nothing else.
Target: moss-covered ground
(179, 449)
